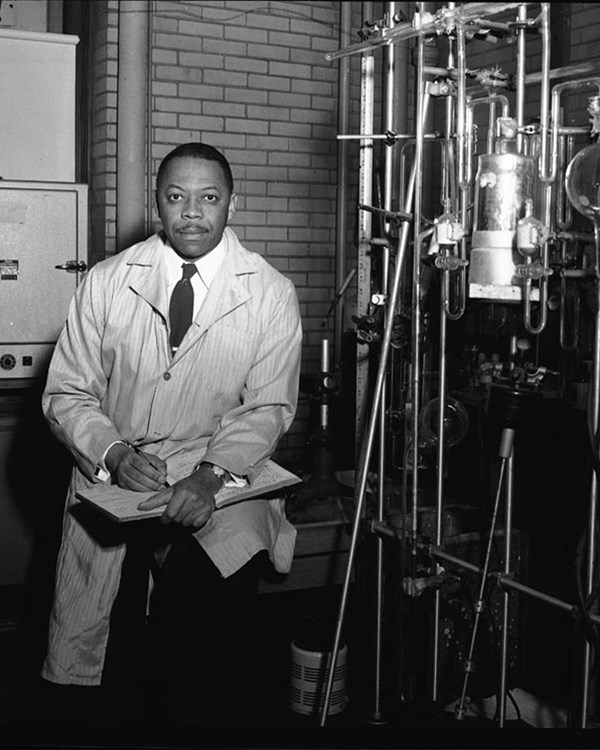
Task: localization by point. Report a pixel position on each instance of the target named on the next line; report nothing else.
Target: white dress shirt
(207, 266)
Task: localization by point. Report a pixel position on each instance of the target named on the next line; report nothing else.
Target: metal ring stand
(454, 20)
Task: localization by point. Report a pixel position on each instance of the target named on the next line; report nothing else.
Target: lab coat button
(167, 376)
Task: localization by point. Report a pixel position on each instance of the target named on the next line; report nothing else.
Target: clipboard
(121, 505)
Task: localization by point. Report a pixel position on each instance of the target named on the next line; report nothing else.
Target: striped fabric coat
(231, 387)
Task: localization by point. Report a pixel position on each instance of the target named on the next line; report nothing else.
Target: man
(124, 395)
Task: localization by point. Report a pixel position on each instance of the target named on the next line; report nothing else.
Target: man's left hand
(191, 501)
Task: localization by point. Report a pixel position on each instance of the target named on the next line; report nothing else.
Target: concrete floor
(267, 718)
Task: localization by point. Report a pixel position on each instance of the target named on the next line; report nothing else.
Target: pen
(146, 457)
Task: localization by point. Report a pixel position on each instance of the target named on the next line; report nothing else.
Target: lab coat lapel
(150, 283)
(225, 294)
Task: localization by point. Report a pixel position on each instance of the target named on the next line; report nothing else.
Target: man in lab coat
(124, 397)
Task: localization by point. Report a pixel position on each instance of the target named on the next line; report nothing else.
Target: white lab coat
(232, 387)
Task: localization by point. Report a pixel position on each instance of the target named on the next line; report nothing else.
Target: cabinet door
(43, 238)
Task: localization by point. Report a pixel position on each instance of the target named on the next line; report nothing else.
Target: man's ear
(232, 206)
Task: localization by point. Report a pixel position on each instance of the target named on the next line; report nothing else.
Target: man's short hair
(197, 150)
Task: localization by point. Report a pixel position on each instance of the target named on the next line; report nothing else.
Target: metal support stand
(459, 21)
(370, 433)
(593, 502)
(505, 451)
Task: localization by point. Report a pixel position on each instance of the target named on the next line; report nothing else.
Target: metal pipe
(491, 100)
(342, 179)
(443, 18)
(392, 136)
(448, 181)
(416, 291)
(447, 199)
(377, 716)
(508, 516)
(389, 82)
(546, 178)
(506, 442)
(364, 228)
(461, 108)
(569, 71)
(149, 134)
(439, 483)
(564, 209)
(557, 91)
(364, 281)
(131, 122)
(464, 169)
(545, 95)
(574, 130)
(520, 77)
(503, 582)
(370, 432)
(594, 420)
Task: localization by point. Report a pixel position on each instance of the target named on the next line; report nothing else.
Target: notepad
(121, 505)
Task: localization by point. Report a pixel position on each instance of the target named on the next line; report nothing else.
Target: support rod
(594, 423)
(342, 180)
(502, 580)
(389, 60)
(370, 432)
(508, 528)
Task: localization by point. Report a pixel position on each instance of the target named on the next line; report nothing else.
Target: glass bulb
(456, 422)
(582, 181)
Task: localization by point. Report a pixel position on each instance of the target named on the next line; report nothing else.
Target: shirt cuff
(101, 473)
(235, 481)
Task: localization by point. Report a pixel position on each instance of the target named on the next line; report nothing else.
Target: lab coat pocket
(231, 352)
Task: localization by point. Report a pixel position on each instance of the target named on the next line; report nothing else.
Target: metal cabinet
(43, 251)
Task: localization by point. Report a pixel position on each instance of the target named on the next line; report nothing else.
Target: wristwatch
(218, 472)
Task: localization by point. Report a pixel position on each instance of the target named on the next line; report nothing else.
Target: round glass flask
(582, 182)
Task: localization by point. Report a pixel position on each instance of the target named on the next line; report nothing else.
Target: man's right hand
(142, 472)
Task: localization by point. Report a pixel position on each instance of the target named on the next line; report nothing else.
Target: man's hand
(142, 472)
(191, 501)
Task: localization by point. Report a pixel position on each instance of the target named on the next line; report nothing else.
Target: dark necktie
(181, 307)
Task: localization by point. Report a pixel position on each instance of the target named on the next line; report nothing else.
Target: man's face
(194, 205)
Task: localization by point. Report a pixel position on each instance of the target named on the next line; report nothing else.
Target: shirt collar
(207, 265)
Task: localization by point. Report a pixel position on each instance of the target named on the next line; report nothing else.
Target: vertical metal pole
(520, 108)
(388, 119)
(520, 86)
(593, 502)
(506, 594)
(149, 133)
(342, 178)
(439, 486)
(365, 189)
(446, 198)
(416, 293)
(369, 436)
(131, 122)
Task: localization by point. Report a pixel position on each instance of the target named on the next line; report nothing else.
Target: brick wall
(252, 80)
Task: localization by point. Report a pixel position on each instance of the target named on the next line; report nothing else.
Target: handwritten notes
(121, 505)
